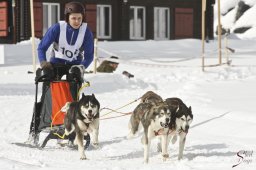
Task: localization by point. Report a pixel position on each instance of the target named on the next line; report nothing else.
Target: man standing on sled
(73, 47)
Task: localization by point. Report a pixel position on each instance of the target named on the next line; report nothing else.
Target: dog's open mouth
(164, 125)
(90, 119)
(182, 130)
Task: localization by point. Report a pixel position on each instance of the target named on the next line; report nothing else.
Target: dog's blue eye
(182, 119)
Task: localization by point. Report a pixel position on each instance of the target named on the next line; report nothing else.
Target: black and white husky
(82, 117)
(183, 117)
(155, 120)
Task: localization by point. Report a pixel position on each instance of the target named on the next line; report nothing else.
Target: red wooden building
(110, 19)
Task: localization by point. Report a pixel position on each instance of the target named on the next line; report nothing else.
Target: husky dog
(82, 117)
(151, 97)
(155, 120)
(183, 117)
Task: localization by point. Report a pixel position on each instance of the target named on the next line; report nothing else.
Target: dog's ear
(175, 103)
(93, 95)
(190, 109)
(155, 110)
(177, 109)
(155, 113)
(83, 95)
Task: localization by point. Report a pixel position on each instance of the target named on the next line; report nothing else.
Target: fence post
(33, 35)
(203, 31)
(226, 50)
(219, 33)
(1, 54)
(95, 55)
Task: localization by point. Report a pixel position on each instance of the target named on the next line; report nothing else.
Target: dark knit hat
(74, 7)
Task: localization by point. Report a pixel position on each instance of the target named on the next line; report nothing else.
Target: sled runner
(47, 115)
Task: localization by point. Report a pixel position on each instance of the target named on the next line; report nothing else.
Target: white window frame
(159, 25)
(101, 22)
(22, 24)
(49, 23)
(135, 24)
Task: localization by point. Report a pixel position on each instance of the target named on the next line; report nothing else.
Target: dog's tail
(65, 107)
(133, 131)
(68, 132)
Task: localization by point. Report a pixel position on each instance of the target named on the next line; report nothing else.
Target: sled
(47, 116)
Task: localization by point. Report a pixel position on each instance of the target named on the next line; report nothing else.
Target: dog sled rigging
(173, 116)
(157, 133)
(116, 110)
(47, 115)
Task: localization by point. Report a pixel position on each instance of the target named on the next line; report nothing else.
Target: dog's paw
(130, 136)
(83, 157)
(146, 161)
(165, 156)
(95, 145)
(67, 132)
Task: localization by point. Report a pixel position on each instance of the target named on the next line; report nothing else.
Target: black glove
(46, 65)
(77, 72)
(77, 69)
(48, 69)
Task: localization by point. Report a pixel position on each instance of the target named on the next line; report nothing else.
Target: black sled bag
(55, 97)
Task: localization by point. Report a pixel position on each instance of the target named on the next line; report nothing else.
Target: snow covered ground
(222, 99)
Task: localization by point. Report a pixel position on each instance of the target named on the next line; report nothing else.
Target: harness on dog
(160, 132)
(63, 136)
(181, 131)
(86, 124)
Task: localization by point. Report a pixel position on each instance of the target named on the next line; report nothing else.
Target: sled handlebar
(40, 79)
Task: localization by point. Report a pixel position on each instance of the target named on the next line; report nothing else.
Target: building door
(184, 23)
(3, 19)
(91, 17)
(161, 23)
(104, 21)
(6, 25)
(137, 22)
